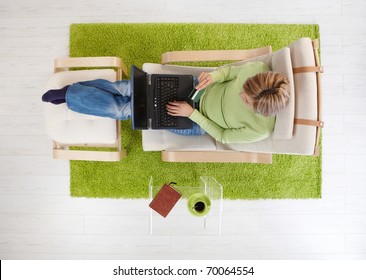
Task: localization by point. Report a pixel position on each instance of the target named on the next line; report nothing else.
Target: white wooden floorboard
(39, 219)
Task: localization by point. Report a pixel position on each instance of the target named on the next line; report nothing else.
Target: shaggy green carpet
(288, 176)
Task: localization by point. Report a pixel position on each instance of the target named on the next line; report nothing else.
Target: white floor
(39, 220)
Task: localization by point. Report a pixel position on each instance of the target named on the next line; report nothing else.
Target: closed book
(165, 200)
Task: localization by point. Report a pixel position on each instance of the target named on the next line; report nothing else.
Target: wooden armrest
(319, 87)
(213, 55)
(88, 62)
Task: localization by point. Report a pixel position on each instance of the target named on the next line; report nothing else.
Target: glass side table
(180, 221)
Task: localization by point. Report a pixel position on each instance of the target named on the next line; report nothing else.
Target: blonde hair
(269, 92)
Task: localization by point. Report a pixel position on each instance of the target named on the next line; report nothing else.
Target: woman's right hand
(204, 80)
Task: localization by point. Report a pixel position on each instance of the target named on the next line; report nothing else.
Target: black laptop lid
(139, 98)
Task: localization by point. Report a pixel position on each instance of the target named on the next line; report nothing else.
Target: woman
(238, 103)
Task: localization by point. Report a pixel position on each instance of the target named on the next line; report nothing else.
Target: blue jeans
(195, 130)
(109, 99)
(101, 98)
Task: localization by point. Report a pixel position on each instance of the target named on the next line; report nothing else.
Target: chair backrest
(302, 126)
(280, 61)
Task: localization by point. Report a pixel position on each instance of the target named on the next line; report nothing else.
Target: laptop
(149, 95)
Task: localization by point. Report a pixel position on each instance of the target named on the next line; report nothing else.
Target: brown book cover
(165, 200)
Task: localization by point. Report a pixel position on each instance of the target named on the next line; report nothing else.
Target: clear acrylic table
(180, 221)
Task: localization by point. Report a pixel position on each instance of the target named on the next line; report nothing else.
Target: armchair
(297, 128)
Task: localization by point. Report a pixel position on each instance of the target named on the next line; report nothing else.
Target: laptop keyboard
(167, 88)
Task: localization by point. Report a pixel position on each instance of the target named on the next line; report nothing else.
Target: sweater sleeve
(226, 73)
(226, 135)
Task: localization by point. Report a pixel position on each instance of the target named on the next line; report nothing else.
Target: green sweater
(224, 115)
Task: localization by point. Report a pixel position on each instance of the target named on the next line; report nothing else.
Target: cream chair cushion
(68, 127)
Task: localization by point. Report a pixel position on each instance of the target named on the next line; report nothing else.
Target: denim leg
(116, 88)
(195, 130)
(101, 98)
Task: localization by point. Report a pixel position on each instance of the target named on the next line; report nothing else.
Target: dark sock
(58, 101)
(55, 94)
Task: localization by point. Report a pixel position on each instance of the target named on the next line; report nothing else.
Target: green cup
(199, 204)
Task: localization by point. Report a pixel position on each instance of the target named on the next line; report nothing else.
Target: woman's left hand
(179, 109)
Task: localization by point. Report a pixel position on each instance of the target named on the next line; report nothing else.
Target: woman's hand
(204, 79)
(179, 109)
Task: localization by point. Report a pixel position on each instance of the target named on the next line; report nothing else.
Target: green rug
(288, 176)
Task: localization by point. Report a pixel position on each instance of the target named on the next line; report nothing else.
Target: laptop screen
(139, 98)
